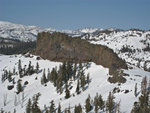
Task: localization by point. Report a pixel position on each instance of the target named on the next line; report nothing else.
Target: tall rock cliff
(61, 47)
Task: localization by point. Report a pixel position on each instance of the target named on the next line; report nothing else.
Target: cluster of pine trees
(143, 106)
(22, 71)
(61, 76)
(97, 104)
(18, 47)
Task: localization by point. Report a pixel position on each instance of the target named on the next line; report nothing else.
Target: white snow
(99, 84)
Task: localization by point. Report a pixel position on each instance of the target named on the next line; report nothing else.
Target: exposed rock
(61, 47)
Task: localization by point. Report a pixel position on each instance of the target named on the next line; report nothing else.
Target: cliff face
(61, 47)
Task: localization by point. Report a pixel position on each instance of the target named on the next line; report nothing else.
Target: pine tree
(69, 109)
(144, 86)
(19, 86)
(88, 78)
(48, 75)
(69, 70)
(30, 69)
(37, 67)
(14, 71)
(59, 108)
(54, 76)
(44, 77)
(96, 103)
(74, 71)
(100, 102)
(65, 110)
(78, 88)
(82, 80)
(87, 104)
(20, 68)
(19, 65)
(135, 91)
(78, 109)
(9, 76)
(52, 107)
(64, 72)
(110, 103)
(14, 111)
(67, 93)
(35, 107)
(29, 106)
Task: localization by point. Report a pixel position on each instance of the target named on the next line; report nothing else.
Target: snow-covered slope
(99, 84)
(132, 45)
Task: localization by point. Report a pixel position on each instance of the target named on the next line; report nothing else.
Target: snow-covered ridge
(29, 33)
(132, 45)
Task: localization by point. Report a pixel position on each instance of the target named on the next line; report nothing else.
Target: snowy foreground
(99, 84)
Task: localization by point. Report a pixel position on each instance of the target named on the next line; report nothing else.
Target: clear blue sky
(75, 14)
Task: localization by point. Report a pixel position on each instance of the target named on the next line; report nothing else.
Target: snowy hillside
(99, 84)
(133, 45)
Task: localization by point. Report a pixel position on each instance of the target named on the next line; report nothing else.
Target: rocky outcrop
(61, 47)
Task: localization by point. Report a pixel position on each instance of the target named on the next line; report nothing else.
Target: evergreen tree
(14, 71)
(52, 107)
(87, 104)
(96, 103)
(82, 78)
(19, 65)
(110, 103)
(88, 78)
(67, 93)
(65, 110)
(69, 109)
(30, 69)
(64, 72)
(48, 75)
(135, 90)
(20, 68)
(29, 106)
(37, 67)
(14, 111)
(35, 107)
(44, 77)
(59, 108)
(54, 76)
(78, 109)
(78, 88)
(19, 86)
(100, 102)
(59, 84)
(144, 86)
(69, 70)
(74, 71)
(9, 76)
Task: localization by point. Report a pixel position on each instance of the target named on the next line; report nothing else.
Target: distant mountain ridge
(29, 33)
(24, 33)
(132, 45)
